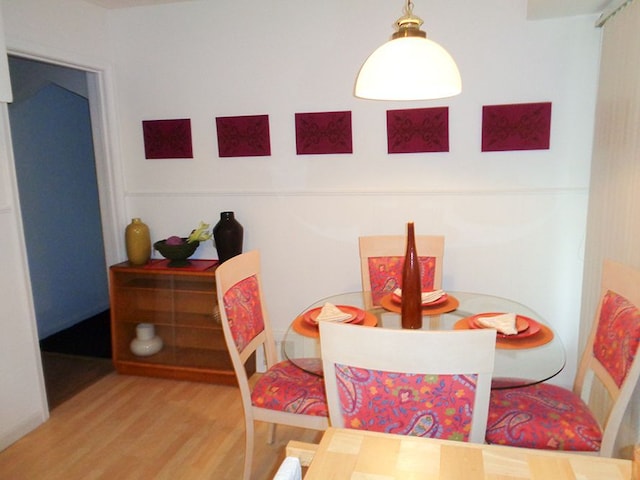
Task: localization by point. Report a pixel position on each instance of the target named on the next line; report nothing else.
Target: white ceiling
(130, 3)
(536, 9)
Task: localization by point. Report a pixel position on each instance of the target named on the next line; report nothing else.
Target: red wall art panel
(324, 132)
(418, 130)
(522, 126)
(167, 138)
(244, 136)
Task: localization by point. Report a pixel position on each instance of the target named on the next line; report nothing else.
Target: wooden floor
(126, 427)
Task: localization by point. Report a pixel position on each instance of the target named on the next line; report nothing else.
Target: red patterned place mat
(194, 265)
(450, 305)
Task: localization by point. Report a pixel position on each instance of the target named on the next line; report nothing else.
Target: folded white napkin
(427, 297)
(505, 323)
(331, 313)
(290, 469)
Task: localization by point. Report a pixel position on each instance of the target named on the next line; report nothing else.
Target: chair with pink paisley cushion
(284, 394)
(423, 383)
(382, 259)
(587, 418)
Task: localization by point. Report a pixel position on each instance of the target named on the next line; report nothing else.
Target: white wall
(69, 32)
(22, 398)
(65, 30)
(514, 221)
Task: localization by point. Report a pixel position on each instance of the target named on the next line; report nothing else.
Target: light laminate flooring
(127, 427)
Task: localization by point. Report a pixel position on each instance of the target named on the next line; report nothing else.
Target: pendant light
(409, 66)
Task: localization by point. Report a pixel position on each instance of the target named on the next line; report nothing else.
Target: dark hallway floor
(76, 357)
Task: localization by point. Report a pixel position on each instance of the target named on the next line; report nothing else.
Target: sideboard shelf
(182, 305)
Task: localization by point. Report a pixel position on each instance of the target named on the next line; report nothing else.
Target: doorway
(53, 143)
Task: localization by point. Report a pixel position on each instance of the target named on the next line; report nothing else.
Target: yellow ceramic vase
(138, 242)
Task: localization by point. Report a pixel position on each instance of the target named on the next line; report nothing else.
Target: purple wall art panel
(418, 130)
(323, 133)
(522, 126)
(243, 136)
(167, 138)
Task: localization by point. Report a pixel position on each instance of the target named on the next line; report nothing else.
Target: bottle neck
(410, 234)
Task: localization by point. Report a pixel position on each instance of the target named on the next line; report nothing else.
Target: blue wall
(55, 167)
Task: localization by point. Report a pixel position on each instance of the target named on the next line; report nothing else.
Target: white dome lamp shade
(409, 66)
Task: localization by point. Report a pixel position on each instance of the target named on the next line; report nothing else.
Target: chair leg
(248, 450)
(271, 435)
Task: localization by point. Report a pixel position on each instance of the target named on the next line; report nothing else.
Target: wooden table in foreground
(356, 454)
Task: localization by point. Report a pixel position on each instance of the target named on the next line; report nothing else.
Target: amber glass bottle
(411, 308)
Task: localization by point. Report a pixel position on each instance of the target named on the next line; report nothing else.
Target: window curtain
(613, 222)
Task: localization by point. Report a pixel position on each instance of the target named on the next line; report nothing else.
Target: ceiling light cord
(409, 24)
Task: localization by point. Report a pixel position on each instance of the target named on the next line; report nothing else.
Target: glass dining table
(534, 355)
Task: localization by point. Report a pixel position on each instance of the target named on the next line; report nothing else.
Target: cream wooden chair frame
(410, 351)
(606, 402)
(395, 246)
(227, 275)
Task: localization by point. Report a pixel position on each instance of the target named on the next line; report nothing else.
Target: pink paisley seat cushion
(542, 416)
(436, 406)
(244, 311)
(385, 275)
(287, 388)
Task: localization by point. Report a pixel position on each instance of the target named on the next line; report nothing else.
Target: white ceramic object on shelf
(146, 342)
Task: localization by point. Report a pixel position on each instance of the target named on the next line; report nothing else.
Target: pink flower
(405, 396)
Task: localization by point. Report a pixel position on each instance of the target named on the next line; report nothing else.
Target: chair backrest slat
(243, 309)
(428, 383)
(243, 312)
(382, 258)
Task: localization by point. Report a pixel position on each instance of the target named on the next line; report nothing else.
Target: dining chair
(382, 259)
(409, 382)
(283, 394)
(587, 418)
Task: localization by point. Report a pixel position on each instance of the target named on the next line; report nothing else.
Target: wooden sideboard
(181, 304)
